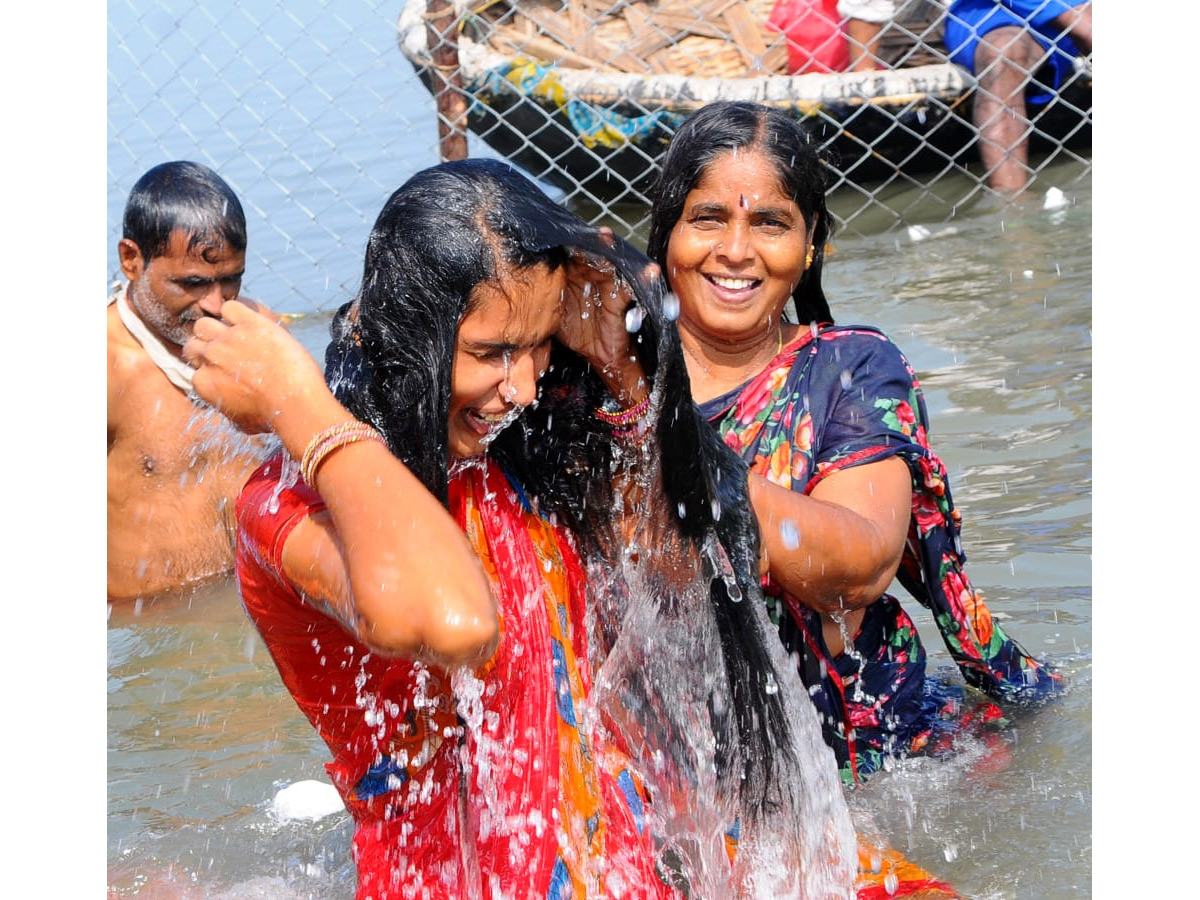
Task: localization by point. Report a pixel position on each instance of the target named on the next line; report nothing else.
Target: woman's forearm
(829, 555)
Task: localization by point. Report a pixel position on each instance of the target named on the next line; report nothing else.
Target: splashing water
(721, 567)
(289, 474)
(216, 439)
(220, 834)
(633, 319)
(662, 698)
(658, 625)
(495, 428)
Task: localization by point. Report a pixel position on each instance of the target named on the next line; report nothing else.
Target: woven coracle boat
(585, 94)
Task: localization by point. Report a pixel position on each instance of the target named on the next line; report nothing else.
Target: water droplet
(633, 319)
(789, 534)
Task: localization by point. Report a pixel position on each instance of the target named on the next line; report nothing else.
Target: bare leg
(1004, 62)
(864, 44)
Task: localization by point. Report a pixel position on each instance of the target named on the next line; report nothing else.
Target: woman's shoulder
(862, 343)
(867, 335)
(272, 487)
(272, 503)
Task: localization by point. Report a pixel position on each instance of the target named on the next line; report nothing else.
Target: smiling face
(737, 252)
(170, 292)
(503, 348)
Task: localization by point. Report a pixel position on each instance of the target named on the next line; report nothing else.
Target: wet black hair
(188, 197)
(453, 226)
(726, 126)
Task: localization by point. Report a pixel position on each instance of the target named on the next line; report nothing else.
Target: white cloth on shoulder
(878, 11)
(177, 371)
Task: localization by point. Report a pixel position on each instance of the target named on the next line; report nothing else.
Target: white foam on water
(306, 800)
(1054, 199)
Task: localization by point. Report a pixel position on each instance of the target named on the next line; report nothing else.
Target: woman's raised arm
(386, 557)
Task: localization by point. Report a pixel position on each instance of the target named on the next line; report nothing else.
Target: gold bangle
(325, 442)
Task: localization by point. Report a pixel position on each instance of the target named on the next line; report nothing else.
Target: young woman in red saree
(441, 563)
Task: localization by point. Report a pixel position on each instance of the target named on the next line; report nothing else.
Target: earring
(808, 258)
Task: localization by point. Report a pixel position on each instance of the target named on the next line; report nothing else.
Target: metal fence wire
(316, 110)
(586, 94)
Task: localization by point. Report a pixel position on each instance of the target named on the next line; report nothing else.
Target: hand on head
(594, 324)
(249, 366)
(593, 319)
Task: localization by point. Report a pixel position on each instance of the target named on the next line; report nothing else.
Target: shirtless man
(174, 466)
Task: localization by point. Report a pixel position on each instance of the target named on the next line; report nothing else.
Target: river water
(994, 311)
(991, 303)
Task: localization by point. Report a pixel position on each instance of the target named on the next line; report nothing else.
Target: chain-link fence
(586, 94)
(315, 111)
(307, 108)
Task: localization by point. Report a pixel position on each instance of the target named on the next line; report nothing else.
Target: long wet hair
(727, 126)
(188, 197)
(449, 229)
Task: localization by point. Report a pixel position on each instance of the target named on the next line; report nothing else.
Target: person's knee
(1011, 44)
(1006, 59)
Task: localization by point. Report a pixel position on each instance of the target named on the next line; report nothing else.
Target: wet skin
(735, 256)
(173, 469)
(503, 348)
(733, 260)
(170, 292)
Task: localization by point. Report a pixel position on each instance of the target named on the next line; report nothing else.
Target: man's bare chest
(164, 435)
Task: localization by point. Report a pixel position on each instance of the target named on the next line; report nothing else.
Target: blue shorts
(968, 20)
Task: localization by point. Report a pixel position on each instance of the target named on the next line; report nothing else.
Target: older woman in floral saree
(833, 425)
